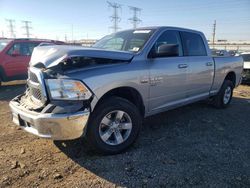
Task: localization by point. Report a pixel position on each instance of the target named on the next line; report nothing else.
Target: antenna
(115, 18)
(135, 20)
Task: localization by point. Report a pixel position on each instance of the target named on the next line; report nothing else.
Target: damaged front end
(54, 105)
(36, 112)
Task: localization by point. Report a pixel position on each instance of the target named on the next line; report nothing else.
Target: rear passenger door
(200, 70)
(167, 75)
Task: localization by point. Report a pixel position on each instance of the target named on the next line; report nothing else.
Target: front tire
(114, 125)
(224, 97)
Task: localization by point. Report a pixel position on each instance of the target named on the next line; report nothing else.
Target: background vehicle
(232, 52)
(104, 92)
(216, 52)
(15, 56)
(246, 67)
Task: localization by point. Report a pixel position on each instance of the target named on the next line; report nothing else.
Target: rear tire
(114, 125)
(224, 97)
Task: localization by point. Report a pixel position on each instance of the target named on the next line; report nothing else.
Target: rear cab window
(193, 44)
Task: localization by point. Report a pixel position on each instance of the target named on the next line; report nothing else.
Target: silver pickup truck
(104, 92)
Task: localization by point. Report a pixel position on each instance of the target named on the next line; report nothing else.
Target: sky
(82, 19)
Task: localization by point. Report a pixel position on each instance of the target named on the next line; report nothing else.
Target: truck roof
(166, 27)
(31, 39)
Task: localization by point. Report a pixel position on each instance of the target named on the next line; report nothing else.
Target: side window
(169, 37)
(15, 49)
(23, 49)
(193, 44)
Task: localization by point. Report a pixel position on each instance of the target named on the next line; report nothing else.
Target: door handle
(182, 66)
(209, 64)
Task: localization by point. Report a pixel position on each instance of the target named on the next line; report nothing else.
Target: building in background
(222, 44)
(83, 42)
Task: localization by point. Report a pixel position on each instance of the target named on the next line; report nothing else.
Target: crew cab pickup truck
(15, 56)
(104, 92)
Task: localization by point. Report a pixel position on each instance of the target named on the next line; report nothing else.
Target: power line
(11, 27)
(27, 28)
(135, 20)
(214, 30)
(115, 17)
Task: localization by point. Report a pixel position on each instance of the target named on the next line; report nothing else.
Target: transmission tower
(27, 28)
(65, 38)
(135, 20)
(115, 17)
(11, 27)
(214, 30)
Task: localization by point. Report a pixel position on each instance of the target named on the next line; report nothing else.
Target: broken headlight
(64, 89)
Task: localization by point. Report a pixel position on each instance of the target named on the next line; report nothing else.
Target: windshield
(3, 43)
(131, 40)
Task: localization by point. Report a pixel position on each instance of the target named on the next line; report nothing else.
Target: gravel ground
(192, 146)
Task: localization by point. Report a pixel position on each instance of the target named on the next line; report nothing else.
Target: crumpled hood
(51, 56)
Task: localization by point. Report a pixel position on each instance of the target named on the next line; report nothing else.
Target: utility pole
(65, 38)
(11, 27)
(214, 30)
(115, 17)
(27, 28)
(2, 34)
(135, 20)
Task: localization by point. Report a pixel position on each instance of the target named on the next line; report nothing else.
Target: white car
(246, 67)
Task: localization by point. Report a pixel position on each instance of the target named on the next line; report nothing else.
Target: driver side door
(168, 75)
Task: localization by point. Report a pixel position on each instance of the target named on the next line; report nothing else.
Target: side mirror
(15, 53)
(165, 50)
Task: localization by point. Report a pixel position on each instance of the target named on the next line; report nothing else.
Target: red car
(15, 56)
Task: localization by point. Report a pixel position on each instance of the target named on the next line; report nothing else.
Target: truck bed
(223, 65)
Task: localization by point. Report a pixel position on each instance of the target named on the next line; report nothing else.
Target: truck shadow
(8, 92)
(185, 145)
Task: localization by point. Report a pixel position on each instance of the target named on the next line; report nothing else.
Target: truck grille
(36, 89)
(36, 93)
(33, 77)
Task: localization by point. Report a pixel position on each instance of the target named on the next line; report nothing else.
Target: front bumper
(48, 125)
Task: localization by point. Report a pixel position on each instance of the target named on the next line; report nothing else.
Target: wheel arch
(129, 93)
(232, 77)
